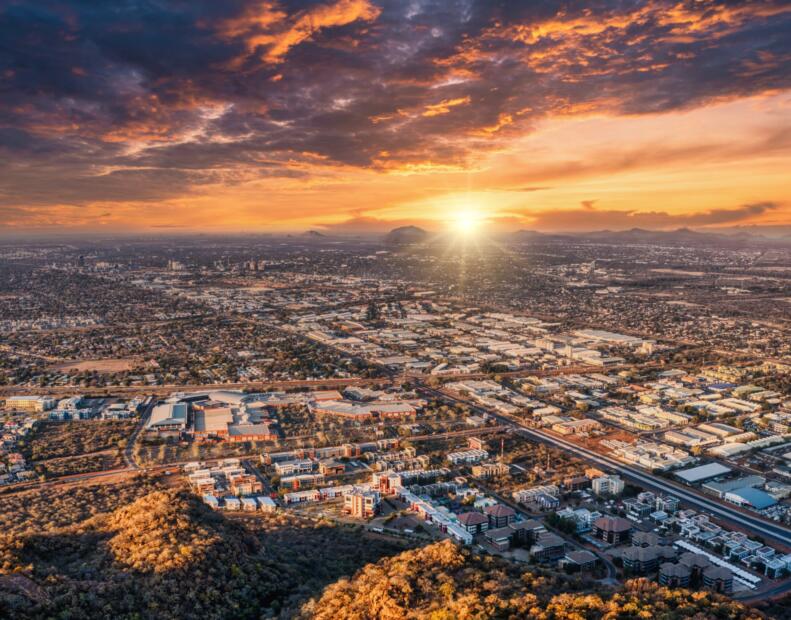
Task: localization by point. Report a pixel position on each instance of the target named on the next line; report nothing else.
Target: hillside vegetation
(160, 533)
(53, 439)
(166, 555)
(52, 508)
(443, 582)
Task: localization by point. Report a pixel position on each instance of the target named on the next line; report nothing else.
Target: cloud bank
(140, 101)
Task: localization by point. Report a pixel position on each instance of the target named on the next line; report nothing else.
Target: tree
(372, 312)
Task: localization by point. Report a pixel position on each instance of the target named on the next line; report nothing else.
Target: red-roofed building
(474, 522)
(500, 515)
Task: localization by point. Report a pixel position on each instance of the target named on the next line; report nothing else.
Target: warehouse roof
(231, 397)
(245, 430)
(702, 472)
(755, 497)
(213, 420)
(169, 414)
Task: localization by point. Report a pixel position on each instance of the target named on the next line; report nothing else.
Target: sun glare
(467, 222)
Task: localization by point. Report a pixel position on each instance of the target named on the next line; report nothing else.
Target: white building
(467, 456)
(607, 485)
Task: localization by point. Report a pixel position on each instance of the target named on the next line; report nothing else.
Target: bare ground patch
(102, 365)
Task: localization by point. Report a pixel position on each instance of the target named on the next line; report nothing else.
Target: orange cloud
(444, 106)
(686, 20)
(588, 102)
(575, 44)
(269, 26)
(590, 218)
(502, 121)
(259, 16)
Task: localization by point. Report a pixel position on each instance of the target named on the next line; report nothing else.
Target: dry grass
(104, 365)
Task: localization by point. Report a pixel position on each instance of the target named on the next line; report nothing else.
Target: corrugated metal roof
(702, 472)
(755, 497)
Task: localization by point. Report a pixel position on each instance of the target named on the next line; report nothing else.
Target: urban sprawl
(562, 405)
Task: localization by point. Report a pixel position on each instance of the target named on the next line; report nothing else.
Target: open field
(74, 438)
(84, 463)
(101, 365)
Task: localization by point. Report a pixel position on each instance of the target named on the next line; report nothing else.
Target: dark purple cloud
(139, 100)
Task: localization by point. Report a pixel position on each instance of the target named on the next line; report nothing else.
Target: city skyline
(355, 116)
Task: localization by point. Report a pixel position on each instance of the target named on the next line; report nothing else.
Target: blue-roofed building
(748, 496)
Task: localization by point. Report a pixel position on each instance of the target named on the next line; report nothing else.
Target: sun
(467, 222)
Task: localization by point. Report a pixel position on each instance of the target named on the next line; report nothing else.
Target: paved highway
(168, 389)
(765, 528)
(732, 514)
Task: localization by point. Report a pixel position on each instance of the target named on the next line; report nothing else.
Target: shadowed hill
(441, 582)
(167, 556)
(406, 235)
(437, 581)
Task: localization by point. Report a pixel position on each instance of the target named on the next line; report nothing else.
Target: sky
(356, 116)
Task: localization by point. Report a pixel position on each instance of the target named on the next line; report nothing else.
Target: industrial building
(168, 417)
(35, 404)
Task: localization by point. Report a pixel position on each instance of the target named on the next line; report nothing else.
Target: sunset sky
(361, 115)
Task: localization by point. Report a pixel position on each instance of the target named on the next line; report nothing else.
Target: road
(63, 480)
(129, 451)
(128, 454)
(250, 467)
(117, 390)
(733, 515)
(730, 514)
(611, 570)
(750, 597)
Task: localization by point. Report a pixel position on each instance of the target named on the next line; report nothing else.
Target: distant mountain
(768, 231)
(411, 235)
(642, 236)
(406, 235)
(528, 236)
(680, 236)
(314, 234)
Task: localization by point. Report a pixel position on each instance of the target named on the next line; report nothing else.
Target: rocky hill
(163, 532)
(441, 581)
(166, 555)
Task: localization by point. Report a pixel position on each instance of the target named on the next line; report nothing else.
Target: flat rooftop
(702, 472)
